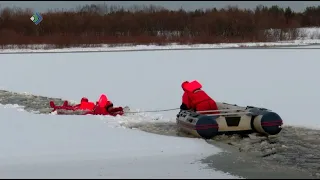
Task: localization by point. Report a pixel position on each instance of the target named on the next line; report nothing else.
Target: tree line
(100, 24)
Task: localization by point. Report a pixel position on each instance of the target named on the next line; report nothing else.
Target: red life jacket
(102, 110)
(87, 106)
(103, 105)
(197, 99)
(200, 101)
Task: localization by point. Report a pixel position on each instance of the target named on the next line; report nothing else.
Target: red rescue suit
(102, 107)
(102, 110)
(105, 107)
(86, 105)
(196, 99)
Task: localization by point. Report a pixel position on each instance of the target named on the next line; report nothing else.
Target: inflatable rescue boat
(231, 119)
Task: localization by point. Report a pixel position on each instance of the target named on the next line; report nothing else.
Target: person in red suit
(102, 107)
(85, 105)
(194, 98)
(105, 107)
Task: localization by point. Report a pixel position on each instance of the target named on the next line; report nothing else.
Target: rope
(160, 110)
(223, 110)
(173, 109)
(232, 113)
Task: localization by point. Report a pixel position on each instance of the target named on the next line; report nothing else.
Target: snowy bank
(305, 36)
(48, 146)
(110, 48)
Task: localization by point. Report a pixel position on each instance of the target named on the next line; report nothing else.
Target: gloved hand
(117, 110)
(183, 107)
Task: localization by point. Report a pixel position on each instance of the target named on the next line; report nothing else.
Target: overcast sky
(42, 6)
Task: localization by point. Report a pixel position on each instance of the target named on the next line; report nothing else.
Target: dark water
(294, 153)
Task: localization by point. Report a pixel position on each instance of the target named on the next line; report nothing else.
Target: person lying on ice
(85, 105)
(105, 107)
(102, 107)
(194, 98)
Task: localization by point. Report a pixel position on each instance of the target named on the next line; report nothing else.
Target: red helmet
(103, 100)
(84, 99)
(184, 84)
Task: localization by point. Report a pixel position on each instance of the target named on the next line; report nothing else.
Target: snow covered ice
(42, 146)
(282, 80)
(48, 146)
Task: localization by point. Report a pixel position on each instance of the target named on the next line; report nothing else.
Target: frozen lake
(283, 80)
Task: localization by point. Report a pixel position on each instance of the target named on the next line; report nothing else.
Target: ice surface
(49, 146)
(283, 80)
